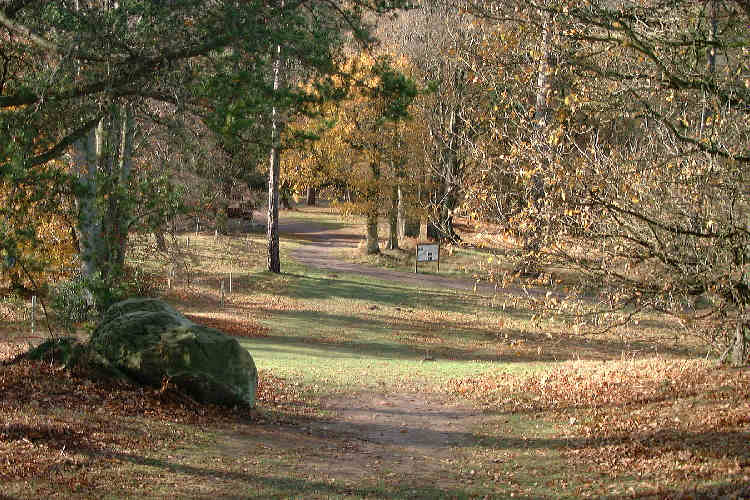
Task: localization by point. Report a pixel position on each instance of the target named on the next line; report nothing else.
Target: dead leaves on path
(658, 420)
(286, 399)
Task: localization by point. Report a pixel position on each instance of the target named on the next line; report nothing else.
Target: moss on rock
(151, 341)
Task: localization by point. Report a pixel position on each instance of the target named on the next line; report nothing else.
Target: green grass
(355, 333)
(324, 334)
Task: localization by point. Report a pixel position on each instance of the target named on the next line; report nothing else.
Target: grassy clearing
(559, 414)
(486, 255)
(456, 261)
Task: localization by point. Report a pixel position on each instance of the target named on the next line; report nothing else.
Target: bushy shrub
(139, 283)
(84, 298)
(73, 301)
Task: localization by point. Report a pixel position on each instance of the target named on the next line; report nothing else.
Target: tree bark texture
(103, 159)
(274, 260)
(741, 349)
(373, 246)
(451, 163)
(312, 196)
(393, 220)
(401, 213)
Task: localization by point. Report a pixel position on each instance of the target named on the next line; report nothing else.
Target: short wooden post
(416, 258)
(230, 283)
(222, 293)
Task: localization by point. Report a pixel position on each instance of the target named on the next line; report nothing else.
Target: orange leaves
(42, 432)
(658, 419)
(231, 324)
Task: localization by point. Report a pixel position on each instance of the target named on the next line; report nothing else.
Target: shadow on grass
(258, 486)
(330, 351)
(309, 287)
(405, 336)
(290, 227)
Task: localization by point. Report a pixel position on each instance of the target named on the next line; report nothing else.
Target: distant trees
(359, 146)
(430, 38)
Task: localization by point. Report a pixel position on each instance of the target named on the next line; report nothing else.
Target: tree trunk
(86, 153)
(401, 214)
(274, 260)
(451, 166)
(373, 246)
(286, 197)
(740, 349)
(104, 160)
(312, 196)
(412, 227)
(123, 130)
(393, 220)
(529, 266)
(161, 240)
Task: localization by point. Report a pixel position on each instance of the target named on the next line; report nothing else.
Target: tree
(82, 77)
(310, 36)
(274, 261)
(368, 123)
(430, 37)
(644, 159)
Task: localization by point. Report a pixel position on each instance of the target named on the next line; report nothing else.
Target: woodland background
(606, 138)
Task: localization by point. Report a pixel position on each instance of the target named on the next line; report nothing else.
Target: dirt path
(404, 440)
(416, 434)
(423, 424)
(320, 241)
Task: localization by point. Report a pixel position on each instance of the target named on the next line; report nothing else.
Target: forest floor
(379, 383)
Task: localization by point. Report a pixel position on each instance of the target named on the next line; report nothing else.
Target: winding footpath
(321, 242)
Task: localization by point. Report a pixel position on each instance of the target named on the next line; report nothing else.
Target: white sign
(427, 253)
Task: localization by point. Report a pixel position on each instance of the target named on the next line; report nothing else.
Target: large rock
(149, 341)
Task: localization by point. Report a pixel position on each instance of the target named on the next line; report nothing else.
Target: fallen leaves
(54, 422)
(655, 419)
(230, 324)
(10, 350)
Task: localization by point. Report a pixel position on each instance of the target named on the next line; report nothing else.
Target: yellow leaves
(556, 136)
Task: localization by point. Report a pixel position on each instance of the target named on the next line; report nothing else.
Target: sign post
(427, 253)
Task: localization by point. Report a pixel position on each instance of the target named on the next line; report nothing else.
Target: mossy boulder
(150, 341)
